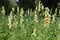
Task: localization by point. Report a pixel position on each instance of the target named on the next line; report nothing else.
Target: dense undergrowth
(29, 25)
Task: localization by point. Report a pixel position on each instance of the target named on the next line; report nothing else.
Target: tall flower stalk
(47, 18)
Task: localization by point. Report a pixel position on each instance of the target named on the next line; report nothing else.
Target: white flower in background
(18, 9)
(13, 9)
(59, 11)
(17, 0)
(34, 32)
(3, 10)
(10, 17)
(35, 17)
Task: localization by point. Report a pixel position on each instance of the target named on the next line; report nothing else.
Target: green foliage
(28, 26)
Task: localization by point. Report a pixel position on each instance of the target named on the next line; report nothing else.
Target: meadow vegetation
(29, 25)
